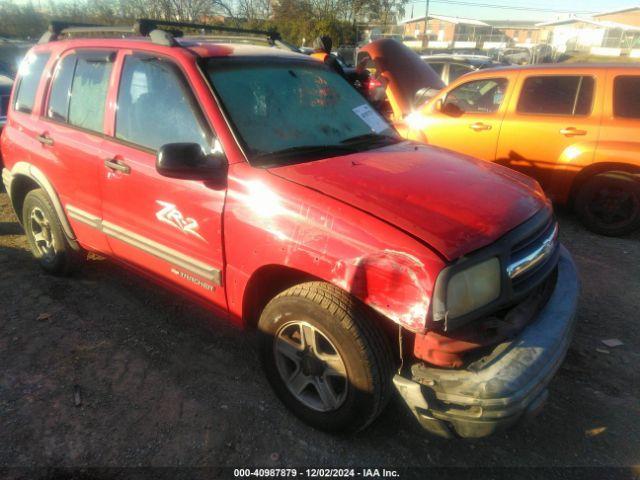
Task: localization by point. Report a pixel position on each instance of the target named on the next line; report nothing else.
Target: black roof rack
(146, 26)
(156, 30)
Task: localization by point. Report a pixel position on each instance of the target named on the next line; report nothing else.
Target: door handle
(479, 126)
(572, 131)
(117, 166)
(45, 139)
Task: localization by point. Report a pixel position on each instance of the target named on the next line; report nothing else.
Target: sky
(539, 10)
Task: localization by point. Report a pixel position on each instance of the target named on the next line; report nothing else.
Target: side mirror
(449, 108)
(439, 104)
(188, 161)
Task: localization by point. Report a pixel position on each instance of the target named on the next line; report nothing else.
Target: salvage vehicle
(5, 92)
(259, 183)
(572, 127)
(452, 67)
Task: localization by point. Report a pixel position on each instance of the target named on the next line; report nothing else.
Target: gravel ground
(105, 369)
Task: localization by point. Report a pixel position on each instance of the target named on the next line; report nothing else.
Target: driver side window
(156, 106)
(479, 96)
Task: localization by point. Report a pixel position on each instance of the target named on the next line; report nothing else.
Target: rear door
(470, 117)
(619, 139)
(170, 227)
(552, 127)
(72, 130)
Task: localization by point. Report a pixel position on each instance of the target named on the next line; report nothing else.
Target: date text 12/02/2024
(316, 473)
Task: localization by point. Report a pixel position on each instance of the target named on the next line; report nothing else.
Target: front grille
(528, 255)
(533, 258)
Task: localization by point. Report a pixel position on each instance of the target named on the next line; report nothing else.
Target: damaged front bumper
(511, 385)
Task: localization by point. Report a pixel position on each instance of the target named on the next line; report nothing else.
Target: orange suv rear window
(626, 97)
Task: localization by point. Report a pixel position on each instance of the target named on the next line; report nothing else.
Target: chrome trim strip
(534, 258)
(192, 265)
(84, 217)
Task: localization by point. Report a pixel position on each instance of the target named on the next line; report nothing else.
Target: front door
(170, 227)
(468, 118)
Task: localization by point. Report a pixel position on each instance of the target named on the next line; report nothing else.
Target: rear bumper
(510, 385)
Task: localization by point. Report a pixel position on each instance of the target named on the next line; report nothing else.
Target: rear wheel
(46, 239)
(325, 357)
(609, 203)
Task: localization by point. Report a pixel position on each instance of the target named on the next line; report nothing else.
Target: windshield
(295, 111)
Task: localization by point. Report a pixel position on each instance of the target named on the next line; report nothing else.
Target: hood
(454, 203)
(406, 73)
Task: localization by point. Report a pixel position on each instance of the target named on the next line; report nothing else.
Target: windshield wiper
(305, 151)
(371, 138)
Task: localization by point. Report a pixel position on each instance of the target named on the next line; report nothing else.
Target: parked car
(515, 56)
(259, 183)
(451, 67)
(11, 53)
(5, 92)
(574, 128)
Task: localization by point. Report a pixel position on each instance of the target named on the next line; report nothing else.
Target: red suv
(261, 184)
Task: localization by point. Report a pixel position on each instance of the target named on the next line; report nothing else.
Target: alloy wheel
(42, 235)
(310, 366)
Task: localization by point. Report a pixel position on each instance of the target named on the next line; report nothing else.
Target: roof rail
(146, 25)
(154, 29)
(57, 28)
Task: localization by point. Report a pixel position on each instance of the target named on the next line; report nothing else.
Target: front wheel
(609, 203)
(325, 357)
(45, 236)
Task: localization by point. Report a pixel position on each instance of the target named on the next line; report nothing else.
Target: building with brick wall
(446, 32)
(625, 16)
(457, 32)
(592, 34)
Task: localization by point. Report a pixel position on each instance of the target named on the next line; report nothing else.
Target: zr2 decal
(170, 215)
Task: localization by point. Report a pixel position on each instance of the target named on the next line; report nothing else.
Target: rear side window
(89, 92)
(557, 95)
(456, 71)
(156, 106)
(29, 76)
(61, 89)
(626, 97)
(438, 67)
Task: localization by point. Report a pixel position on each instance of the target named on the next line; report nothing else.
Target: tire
(609, 203)
(45, 236)
(344, 331)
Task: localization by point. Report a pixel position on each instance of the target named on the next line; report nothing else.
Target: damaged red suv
(261, 184)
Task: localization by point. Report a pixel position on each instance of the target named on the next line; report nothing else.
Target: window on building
(626, 97)
(29, 76)
(151, 89)
(557, 95)
(89, 92)
(613, 38)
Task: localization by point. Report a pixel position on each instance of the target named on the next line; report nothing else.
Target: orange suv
(574, 128)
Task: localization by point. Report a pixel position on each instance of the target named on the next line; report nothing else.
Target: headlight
(473, 288)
